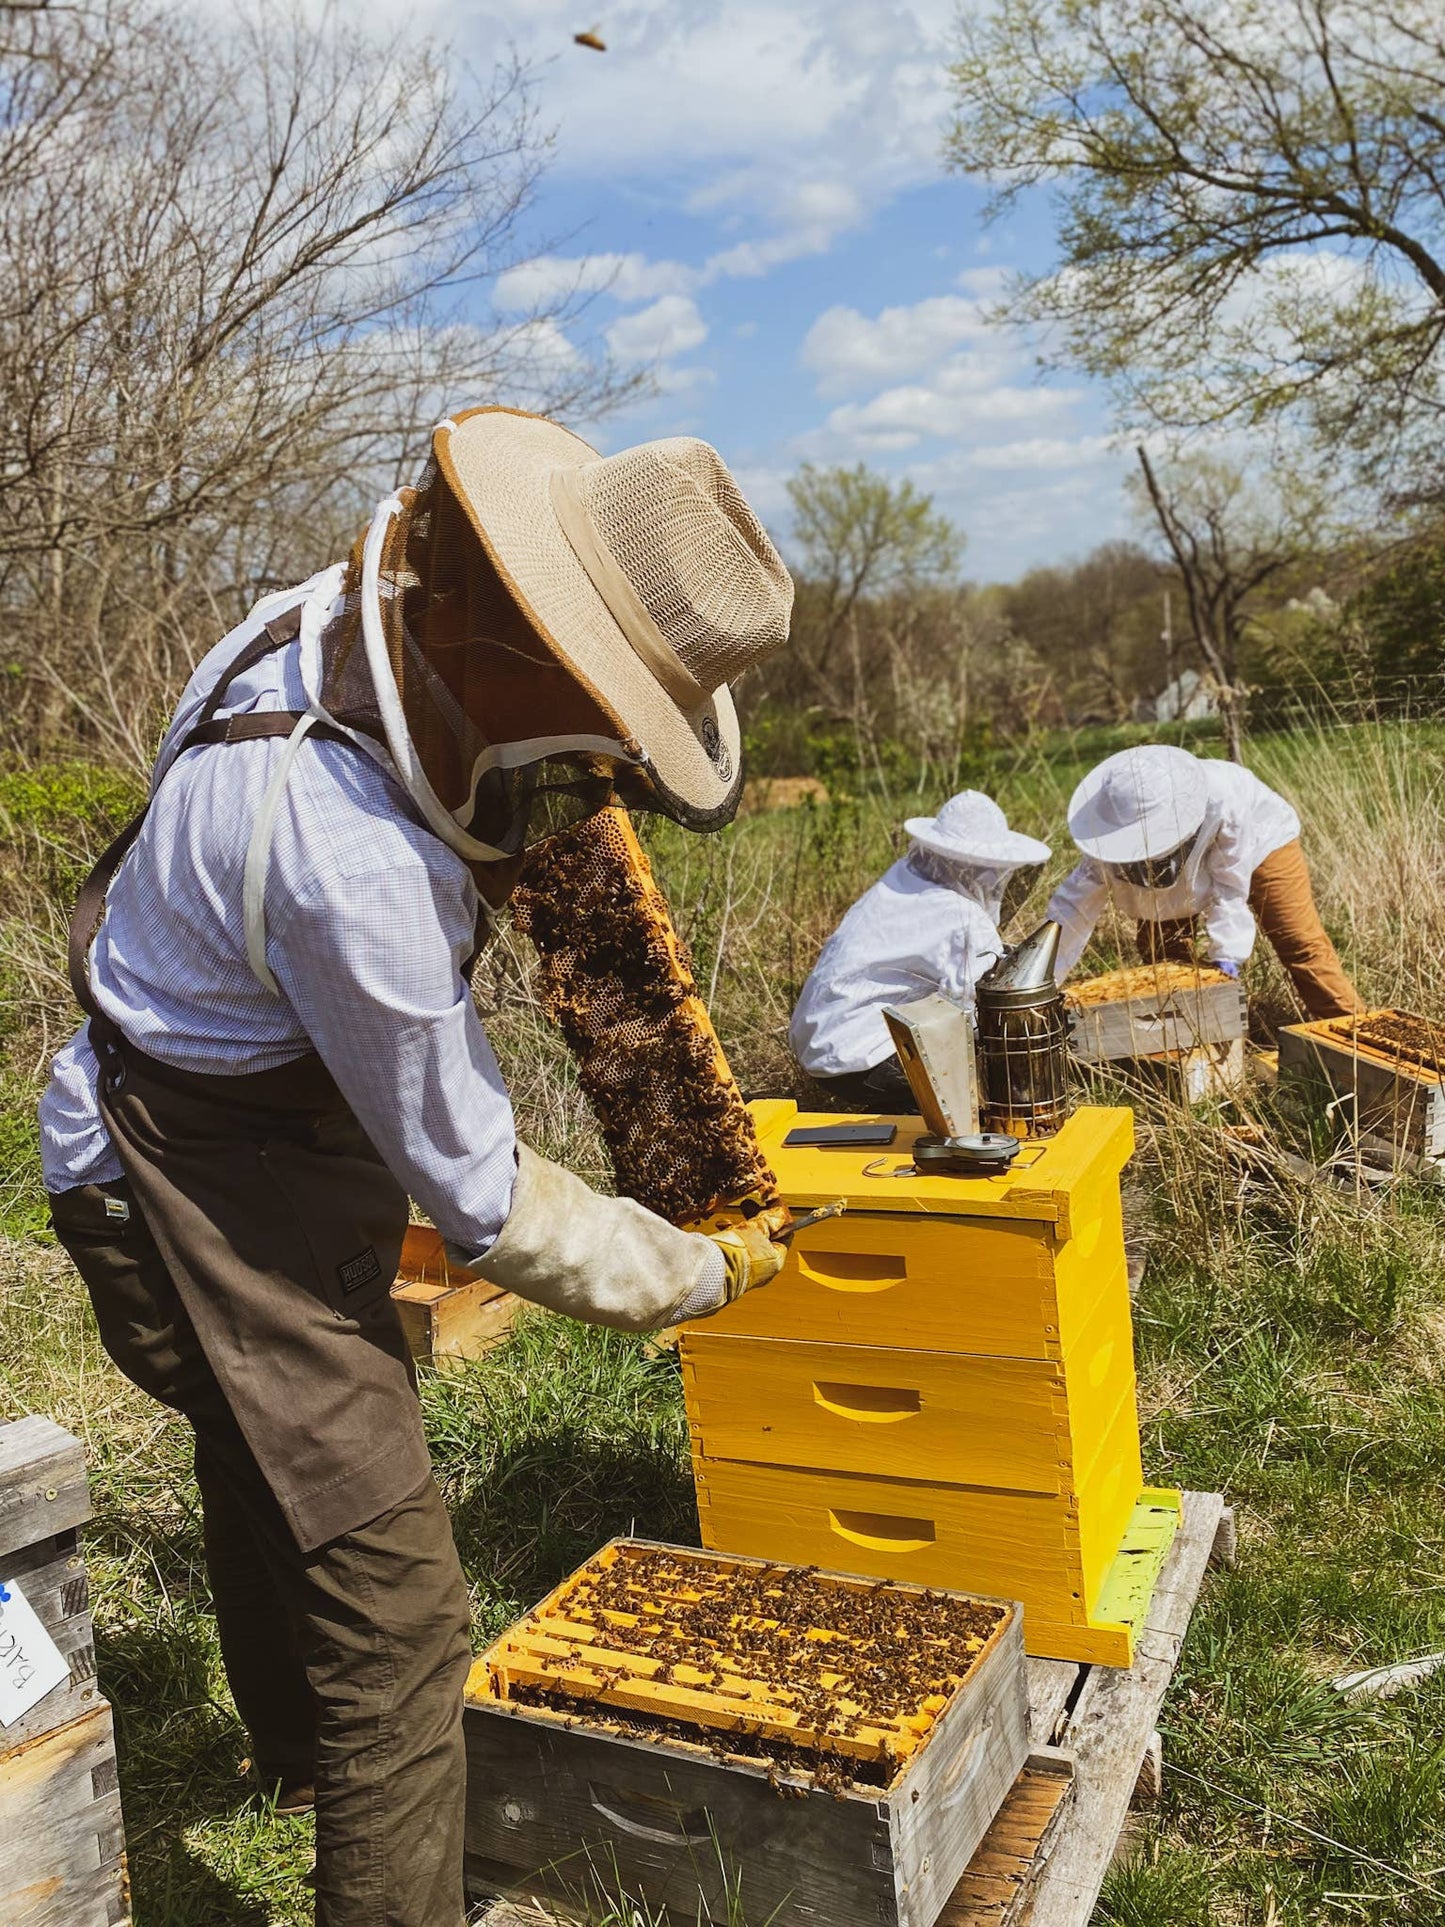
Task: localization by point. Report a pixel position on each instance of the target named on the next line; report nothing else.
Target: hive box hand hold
(939, 1386)
(725, 1737)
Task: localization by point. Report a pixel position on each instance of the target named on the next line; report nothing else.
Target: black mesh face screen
(617, 979)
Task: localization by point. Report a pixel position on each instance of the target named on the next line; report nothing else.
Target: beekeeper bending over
(930, 924)
(282, 1046)
(1172, 838)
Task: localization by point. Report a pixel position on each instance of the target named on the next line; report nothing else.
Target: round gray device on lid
(985, 1155)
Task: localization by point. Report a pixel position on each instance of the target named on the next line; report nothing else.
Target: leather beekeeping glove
(606, 1260)
(749, 1253)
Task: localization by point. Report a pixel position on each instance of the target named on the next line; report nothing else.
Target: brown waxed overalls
(241, 1274)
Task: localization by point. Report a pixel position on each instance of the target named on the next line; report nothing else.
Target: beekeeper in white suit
(1172, 838)
(929, 925)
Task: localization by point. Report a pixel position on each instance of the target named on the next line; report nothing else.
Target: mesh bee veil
(430, 653)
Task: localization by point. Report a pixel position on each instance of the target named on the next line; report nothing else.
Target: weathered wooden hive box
(62, 1845)
(448, 1312)
(1382, 1073)
(705, 1733)
(1154, 1008)
(939, 1386)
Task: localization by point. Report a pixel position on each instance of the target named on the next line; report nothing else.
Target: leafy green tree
(1232, 537)
(1251, 201)
(860, 541)
(1399, 616)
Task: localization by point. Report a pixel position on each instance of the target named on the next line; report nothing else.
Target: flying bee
(591, 39)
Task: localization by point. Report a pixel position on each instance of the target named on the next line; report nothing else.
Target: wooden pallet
(449, 1312)
(1044, 1859)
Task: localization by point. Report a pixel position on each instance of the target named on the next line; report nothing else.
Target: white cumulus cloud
(671, 326)
(848, 350)
(555, 277)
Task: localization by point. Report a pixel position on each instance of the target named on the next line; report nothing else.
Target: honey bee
(591, 39)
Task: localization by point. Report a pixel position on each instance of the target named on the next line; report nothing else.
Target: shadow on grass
(552, 1499)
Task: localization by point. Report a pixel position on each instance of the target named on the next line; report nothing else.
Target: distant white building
(1190, 698)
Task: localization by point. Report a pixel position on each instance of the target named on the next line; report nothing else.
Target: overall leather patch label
(361, 1270)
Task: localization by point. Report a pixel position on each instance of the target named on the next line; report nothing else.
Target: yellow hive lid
(1096, 1140)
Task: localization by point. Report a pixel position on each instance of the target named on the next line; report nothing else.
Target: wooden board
(1369, 1095)
(1110, 1725)
(449, 1312)
(1177, 1017)
(62, 1860)
(43, 1490)
(1207, 1071)
(566, 1807)
(53, 1579)
(1003, 1875)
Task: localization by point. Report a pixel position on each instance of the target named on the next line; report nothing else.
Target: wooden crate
(1153, 1009)
(43, 1500)
(1044, 1858)
(449, 1312)
(939, 1386)
(563, 1802)
(1378, 1098)
(62, 1844)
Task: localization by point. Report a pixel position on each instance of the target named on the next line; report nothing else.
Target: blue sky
(753, 188)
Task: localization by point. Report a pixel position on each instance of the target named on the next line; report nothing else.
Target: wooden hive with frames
(685, 1719)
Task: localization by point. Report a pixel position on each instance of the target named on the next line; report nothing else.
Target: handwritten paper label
(31, 1664)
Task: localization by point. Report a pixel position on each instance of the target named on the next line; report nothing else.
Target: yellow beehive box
(940, 1384)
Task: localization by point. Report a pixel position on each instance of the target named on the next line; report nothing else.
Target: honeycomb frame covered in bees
(680, 1712)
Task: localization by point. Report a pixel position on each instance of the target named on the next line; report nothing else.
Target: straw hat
(1138, 804)
(646, 573)
(972, 828)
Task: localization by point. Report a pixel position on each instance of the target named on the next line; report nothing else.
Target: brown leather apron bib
(282, 1230)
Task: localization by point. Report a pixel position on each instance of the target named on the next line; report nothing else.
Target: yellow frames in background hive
(939, 1387)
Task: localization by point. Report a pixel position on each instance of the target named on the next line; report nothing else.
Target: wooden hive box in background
(593, 1772)
(62, 1846)
(1381, 1075)
(448, 1312)
(939, 1386)
(1154, 1008)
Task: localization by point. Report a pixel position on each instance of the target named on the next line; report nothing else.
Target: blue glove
(1228, 966)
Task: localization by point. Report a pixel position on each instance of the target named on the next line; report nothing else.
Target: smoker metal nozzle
(1025, 973)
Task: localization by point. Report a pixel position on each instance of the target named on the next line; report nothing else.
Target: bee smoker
(1023, 1040)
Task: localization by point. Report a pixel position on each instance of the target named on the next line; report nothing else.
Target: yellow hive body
(939, 1387)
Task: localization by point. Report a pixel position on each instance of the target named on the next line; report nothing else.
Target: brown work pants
(346, 1661)
(1282, 899)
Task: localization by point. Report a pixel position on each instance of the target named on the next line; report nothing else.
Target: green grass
(1291, 1348)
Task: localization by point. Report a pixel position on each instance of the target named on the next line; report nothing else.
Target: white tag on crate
(31, 1664)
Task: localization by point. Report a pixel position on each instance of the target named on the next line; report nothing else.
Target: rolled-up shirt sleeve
(1076, 906)
(372, 964)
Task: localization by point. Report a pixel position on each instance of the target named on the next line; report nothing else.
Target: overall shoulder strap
(90, 904)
